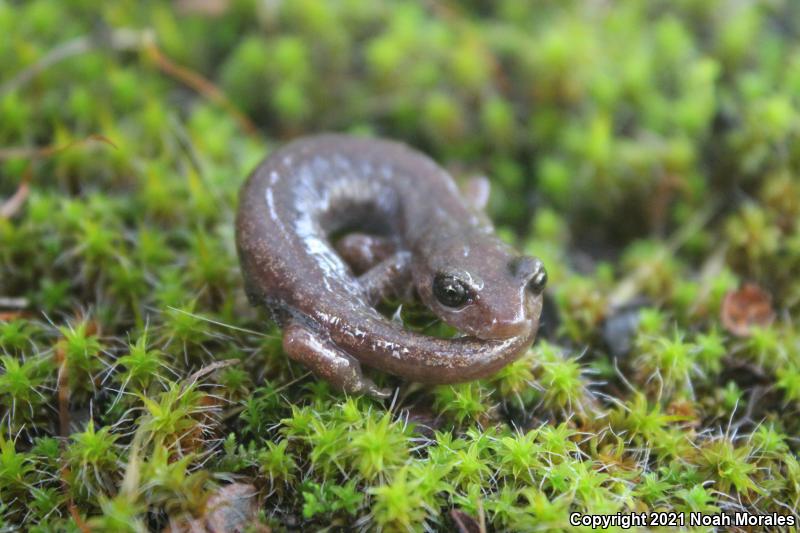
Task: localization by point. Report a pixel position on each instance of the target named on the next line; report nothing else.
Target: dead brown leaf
(208, 8)
(746, 308)
(8, 316)
(232, 509)
(11, 207)
(466, 523)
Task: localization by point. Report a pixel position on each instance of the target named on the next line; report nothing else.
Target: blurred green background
(646, 151)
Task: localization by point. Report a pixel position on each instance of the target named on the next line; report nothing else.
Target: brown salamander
(407, 227)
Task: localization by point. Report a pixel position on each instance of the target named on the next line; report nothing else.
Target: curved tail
(381, 344)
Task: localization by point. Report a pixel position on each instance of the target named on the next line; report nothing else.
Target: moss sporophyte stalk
(646, 152)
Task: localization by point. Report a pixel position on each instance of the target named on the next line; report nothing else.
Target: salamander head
(480, 286)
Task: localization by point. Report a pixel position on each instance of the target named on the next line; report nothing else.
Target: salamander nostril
(523, 267)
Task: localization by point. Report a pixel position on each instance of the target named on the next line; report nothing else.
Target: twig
(453, 15)
(130, 482)
(218, 323)
(126, 39)
(200, 84)
(11, 207)
(710, 269)
(194, 378)
(8, 302)
(62, 386)
(119, 39)
(73, 511)
(36, 152)
(629, 286)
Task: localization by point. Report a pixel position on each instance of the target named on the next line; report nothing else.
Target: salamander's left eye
(450, 291)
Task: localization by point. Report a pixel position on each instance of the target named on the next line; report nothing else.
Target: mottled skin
(407, 223)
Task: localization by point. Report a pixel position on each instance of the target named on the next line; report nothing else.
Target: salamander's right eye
(538, 280)
(530, 271)
(450, 291)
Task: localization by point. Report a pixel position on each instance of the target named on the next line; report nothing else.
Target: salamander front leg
(390, 277)
(327, 361)
(363, 251)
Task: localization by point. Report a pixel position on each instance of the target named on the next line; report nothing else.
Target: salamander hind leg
(327, 361)
(475, 191)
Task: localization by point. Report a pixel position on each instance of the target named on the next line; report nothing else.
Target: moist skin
(406, 223)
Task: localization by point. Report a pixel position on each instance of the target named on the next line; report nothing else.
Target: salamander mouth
(499, 331)
(504, 333)
(522, 325)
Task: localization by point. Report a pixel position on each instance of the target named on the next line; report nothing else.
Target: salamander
(329, 225)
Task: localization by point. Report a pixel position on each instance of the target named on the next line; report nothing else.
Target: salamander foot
(363, 251)
(328, 362)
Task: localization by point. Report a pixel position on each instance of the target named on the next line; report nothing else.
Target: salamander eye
(538, 280)
(450, 290)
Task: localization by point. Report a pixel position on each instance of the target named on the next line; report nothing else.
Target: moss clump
(647, 151)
